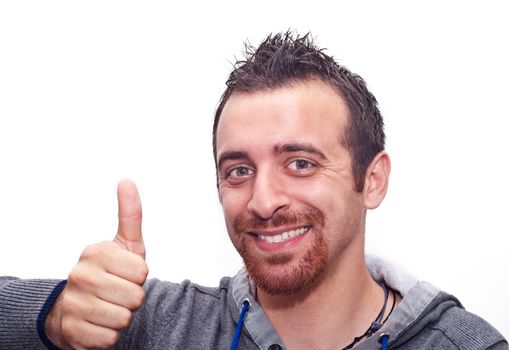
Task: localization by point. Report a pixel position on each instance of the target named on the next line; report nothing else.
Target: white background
(92, 92)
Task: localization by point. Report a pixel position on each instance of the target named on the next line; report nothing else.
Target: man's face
(286, 185)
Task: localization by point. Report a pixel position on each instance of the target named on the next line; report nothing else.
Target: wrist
(51, 317)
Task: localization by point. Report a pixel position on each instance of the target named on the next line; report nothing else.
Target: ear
(376, 180)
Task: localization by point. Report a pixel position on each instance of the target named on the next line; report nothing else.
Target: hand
(105, 286)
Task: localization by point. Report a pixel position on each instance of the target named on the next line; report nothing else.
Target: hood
(422, 305)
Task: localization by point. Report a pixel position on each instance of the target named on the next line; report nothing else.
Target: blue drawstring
(384, 339)
(235, 341)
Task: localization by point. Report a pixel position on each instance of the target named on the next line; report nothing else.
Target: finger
(100, 312)
(109, 257)
(120, 292)
(107, 287)
(85, 335)
(129, 218)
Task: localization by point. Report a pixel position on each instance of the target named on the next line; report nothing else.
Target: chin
(284, 274)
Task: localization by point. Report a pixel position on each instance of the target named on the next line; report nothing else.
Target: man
(299, 148)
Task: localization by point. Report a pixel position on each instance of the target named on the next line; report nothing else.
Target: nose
(269, 195)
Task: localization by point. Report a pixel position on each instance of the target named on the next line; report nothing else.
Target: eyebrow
(298, 147)
(233, 155)
(279, 149)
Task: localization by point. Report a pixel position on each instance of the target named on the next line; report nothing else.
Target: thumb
(129, 218)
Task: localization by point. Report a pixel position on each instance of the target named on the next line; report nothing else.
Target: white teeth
(284, 236)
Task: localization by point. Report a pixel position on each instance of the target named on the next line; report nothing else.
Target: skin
(105, 286)
(281, 154)
(260, 179)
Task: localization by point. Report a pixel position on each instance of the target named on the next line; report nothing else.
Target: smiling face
(286, 184)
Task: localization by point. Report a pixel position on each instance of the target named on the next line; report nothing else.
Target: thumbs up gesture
(106, 285)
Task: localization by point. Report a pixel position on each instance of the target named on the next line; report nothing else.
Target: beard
(283, 273)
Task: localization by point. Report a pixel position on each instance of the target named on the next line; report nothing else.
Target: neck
(331, 314)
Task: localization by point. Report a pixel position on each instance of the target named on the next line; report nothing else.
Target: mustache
(252, 223)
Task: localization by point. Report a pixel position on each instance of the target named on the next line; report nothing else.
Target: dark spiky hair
(286, 58)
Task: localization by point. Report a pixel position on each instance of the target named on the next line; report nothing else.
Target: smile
(284, 236)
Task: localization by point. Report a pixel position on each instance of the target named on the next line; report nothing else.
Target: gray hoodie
(189, 316)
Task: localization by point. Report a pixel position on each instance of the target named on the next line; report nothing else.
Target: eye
(239, 172)
(300, 165)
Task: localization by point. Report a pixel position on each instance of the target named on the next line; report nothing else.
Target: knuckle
(110, 338)
(125, 318)
(74, 277)
(79, 276)
(142, 272)
(138, 296)
(97, 251)
(90, 252)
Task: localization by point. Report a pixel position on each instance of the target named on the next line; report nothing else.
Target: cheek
(319, 194)
(339, 204)
(234, 202)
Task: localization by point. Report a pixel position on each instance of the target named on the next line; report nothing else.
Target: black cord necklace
(379, 321)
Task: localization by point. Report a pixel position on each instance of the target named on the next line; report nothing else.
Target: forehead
(310, 111)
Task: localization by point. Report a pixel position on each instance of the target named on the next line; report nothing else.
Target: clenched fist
(105, 286)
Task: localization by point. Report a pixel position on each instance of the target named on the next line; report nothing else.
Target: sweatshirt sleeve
(24, 305)
(502, 345)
